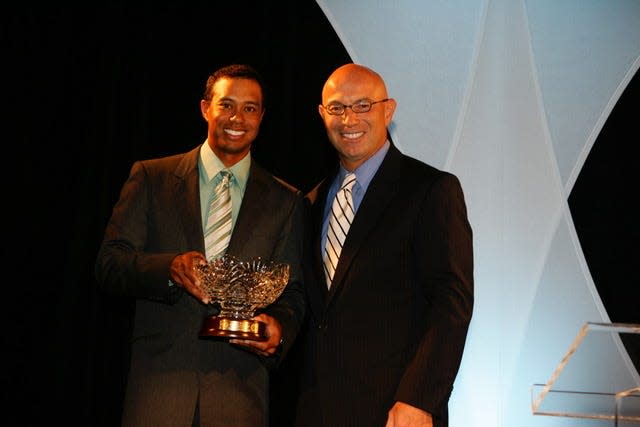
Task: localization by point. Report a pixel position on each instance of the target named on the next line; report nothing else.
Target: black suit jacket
(157, 217)
(394, 324)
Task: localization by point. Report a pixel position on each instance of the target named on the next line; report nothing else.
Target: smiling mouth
(352, 135)
(233, 132)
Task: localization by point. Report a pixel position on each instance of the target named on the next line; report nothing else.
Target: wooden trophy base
(226, 327)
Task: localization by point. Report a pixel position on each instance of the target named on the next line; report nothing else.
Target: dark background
(90, 89)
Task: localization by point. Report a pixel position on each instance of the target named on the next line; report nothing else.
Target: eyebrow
(366, 99)
(226, 98)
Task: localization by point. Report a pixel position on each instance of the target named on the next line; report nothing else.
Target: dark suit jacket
(172, 368)
(394, 324)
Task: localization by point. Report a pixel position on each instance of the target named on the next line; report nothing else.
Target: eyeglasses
(362, 106)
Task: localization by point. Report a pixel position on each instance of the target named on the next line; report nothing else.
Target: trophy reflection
(240, 287)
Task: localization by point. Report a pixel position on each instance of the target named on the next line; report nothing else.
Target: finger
(258, 345)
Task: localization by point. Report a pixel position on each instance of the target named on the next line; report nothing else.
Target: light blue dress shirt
(364, 175)
(209, 166)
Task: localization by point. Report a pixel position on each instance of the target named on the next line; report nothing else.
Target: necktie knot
(348, 182)
(225, 178)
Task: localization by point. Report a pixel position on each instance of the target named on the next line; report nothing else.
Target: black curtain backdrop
(95, 86)
(92, 88)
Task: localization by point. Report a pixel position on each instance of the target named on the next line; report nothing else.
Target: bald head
(351, 76)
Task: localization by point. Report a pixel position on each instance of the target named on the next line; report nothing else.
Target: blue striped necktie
(218, 230)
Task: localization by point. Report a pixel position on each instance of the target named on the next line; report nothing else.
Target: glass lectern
(596, 378)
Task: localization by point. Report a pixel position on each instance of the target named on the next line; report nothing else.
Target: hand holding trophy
(240, 287)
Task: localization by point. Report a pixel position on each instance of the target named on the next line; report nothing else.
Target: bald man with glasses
(388, 273)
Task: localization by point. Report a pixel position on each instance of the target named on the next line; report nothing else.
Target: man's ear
(389, 109)
(204, 107)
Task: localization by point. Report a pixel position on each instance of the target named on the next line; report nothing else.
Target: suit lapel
(316, 225)
(187, 195)
(251, 210)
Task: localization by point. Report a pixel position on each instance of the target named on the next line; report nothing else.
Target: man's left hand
(268, 347)
(403, 415)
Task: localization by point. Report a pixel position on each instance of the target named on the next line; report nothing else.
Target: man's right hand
(183, 274)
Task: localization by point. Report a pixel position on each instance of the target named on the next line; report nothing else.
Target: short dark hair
(234, 71)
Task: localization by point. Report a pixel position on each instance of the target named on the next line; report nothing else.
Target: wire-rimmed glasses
(362, 106)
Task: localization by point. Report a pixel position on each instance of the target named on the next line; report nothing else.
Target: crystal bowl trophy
(240, 287)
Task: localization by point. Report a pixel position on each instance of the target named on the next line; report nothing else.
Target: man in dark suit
(155, 239)
(386, 329)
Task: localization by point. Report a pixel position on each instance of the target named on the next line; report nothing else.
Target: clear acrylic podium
(595, 380)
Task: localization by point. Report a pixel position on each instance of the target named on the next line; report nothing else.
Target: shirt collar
(366, 171)
(211, 165)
